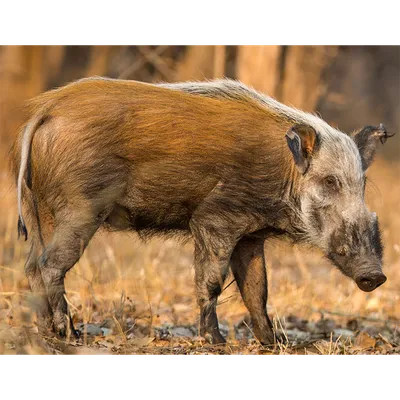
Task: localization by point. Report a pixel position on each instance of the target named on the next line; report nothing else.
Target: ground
(129, 297)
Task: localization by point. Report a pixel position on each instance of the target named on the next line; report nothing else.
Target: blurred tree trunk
(363, 89)
(259, 66)
(54, 57)
(197, 64)
(219, 61)
(293, 75)
(99, 59)
(74, 64)
(22, 76)
(35, 81)
(303, 82)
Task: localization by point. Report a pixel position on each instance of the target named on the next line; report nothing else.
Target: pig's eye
(331, 182)
(343, 251)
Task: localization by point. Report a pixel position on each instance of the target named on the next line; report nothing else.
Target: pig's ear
(367, 140)
(302, 140)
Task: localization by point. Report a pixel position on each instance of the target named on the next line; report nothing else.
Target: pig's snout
(370, 282)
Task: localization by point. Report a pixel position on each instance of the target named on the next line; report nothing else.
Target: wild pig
(216, 160)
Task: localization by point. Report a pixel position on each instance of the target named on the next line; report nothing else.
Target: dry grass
(142, 297)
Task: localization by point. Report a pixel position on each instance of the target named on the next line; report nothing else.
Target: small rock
(352, 325)
(182, 331)
(371, 330)
(295, 322)
(106, 331)
(243, 333)
(167, 331)
(325, 326)
(344, 333)
(297, 336)
(91, 329)
(224, 329)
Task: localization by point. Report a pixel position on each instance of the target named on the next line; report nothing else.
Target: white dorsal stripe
(341, 146)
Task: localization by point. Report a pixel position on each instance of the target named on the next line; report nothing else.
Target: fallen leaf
(142, 341)
(384, 347)
(385, 340)
(364, 341)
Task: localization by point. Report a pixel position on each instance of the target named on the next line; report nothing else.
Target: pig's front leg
(248, 267)
(211, 262)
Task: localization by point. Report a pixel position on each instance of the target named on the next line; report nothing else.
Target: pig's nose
(368, 283)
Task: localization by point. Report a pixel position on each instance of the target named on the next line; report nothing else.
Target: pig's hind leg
(39, 299)
(73, 230)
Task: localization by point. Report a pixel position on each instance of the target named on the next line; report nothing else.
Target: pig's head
(332, 170)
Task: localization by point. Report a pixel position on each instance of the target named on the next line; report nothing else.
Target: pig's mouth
(368, 283)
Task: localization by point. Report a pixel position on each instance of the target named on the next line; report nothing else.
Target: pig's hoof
(217, 338)
(267, 342)
(45, 326)
(214, 338)
(61, 329)
(61, 332)
(75, 334)
(281, 338)
(272, 339)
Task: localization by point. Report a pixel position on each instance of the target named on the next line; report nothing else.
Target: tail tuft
(26, 144)
(22, 229)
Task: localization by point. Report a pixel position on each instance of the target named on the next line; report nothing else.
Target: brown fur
(130, 155)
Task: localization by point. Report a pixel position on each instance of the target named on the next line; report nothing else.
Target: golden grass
(140, 292)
